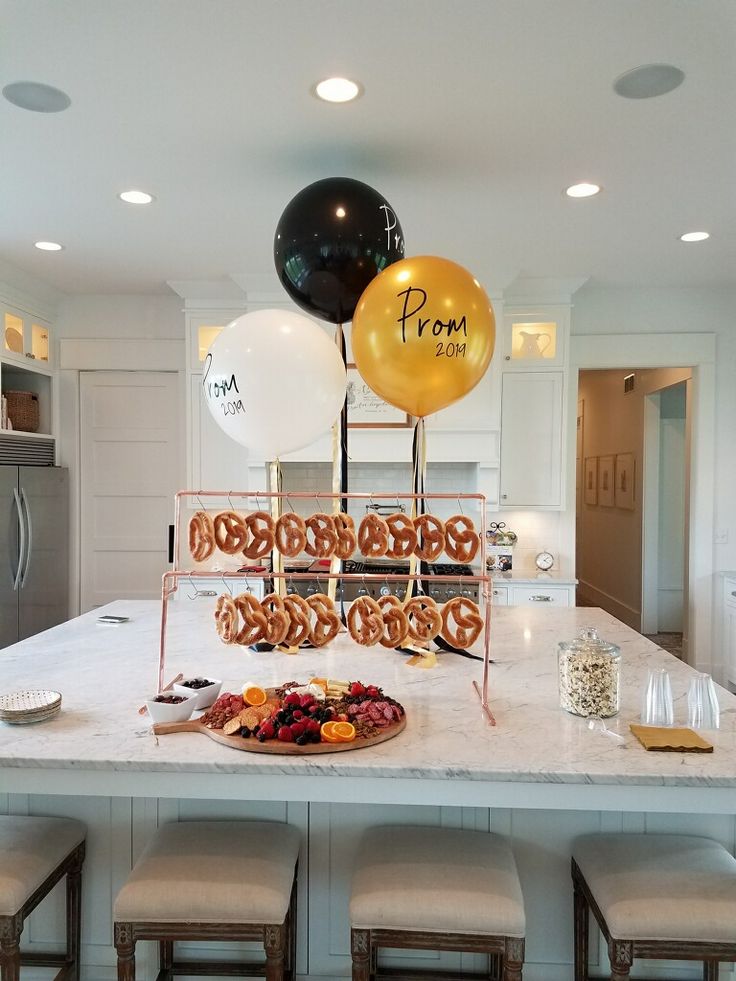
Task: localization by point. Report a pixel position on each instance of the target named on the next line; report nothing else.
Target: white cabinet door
(500, 595)
(531, 439)
(729, 629)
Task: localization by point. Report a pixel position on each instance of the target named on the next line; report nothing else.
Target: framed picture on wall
(625, 481)
(366, 410)
(606, 481)
(590, 487)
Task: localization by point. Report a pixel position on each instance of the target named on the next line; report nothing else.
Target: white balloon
(274, 381)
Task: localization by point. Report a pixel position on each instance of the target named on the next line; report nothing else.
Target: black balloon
(333, 238)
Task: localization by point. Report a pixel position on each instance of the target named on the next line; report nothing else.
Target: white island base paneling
(119, 828)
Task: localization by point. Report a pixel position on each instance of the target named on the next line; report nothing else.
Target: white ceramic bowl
(204, 697)
(164, 712)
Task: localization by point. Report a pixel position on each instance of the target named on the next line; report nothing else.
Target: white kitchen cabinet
(500, 595)
(535, 337)
(542, 596)
(25, 337)
(531, 439)
(729, 628)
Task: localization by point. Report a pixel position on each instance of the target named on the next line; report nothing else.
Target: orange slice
(327, 734)
(344, 732)
(253, 695)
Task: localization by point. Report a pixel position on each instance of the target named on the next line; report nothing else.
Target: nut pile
(589, 683)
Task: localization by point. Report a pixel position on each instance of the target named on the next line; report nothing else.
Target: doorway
(632, 511)
(129, 453)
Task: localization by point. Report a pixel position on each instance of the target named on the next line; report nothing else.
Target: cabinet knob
(508, 357)
(504, 496)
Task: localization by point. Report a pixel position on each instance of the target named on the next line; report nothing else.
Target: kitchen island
(540, 775)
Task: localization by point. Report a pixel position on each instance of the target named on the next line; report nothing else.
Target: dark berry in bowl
(170, 699)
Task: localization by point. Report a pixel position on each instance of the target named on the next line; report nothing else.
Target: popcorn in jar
(589, 675)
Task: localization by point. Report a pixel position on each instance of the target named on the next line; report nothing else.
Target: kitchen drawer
(500, 595)
(539, 596)
(729, 592)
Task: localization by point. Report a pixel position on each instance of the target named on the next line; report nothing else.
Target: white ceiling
(476, 115)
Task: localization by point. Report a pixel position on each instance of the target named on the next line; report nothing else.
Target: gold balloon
(423, 334)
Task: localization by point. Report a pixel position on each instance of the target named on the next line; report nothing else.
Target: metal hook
(289, 505)
(225, 584)
(196, 591)
(201, 506)
(230, 500)
(460, 506)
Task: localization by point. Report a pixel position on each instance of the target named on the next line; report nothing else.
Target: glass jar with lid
(589, 675)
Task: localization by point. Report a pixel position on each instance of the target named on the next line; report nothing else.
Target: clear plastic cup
(703, 711)
(657, 705)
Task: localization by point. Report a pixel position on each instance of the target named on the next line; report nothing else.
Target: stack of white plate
(23, 707)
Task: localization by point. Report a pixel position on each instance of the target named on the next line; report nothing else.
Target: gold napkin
(668, 740)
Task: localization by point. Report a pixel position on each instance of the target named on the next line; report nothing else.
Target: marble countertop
(106, 672)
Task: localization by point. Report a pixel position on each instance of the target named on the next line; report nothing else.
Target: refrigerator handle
(22, 551)
(29, 547)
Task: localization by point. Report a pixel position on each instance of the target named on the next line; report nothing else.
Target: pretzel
(277, 619)
(365, 621)
(322, 527)
(226, 618)
(201, 536)
(300, 620)
(231, 532)
(461, 538)
(328, 622)
(468, 622)
(290, 534)
(430, 537)
(345, 528)
(425, 621)
(373, 536)
(254, 620)
(395, 622)
(404, 536)
(260, 525)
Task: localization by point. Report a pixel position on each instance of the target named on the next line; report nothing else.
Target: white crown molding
(542, 290)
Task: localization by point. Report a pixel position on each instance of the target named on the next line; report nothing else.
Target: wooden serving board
(252, 745)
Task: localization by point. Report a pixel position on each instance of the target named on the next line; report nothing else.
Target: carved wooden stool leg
(373, 962)
(360, 948)
(710, 970)
(581, 913)
(74, 915)
(125, 947)
(621, 954)
(273, 943)
(494, 966)
(11, 928)
(513, 959)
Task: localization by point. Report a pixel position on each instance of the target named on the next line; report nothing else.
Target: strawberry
(285, 735)
(357, 689)
(297, 729)
(292, 699)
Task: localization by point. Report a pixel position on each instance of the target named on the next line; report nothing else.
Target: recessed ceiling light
(337, 90)
(582, 190)
(694, 236)
(136, 197)
(49, 246)
(36, 97)
(648, 81)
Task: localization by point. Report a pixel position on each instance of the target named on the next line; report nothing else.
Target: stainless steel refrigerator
(34, 550)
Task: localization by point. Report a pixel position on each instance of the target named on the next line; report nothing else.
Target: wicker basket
(23, 411)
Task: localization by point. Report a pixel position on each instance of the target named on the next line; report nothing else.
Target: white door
(531, 439)
(130, 471)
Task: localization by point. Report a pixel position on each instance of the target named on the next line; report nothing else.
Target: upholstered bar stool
(35, 854)
(655, 896)
(436, 889)
(212, 880)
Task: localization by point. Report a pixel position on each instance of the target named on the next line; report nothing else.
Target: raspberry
(306, 700)
(292, 699)
(372, 691)
(313, 725)
(297, 729)
(357, 689)
(267, 730)
(285, 735)
(298, 714)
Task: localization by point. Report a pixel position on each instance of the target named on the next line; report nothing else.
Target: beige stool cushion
(661, 887)
(212, 872)
(436, 879)
(30, 849)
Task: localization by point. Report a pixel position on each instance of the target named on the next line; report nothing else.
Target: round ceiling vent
(648, 81)
(36, 97)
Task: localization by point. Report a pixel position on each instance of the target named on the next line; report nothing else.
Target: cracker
(233, 726)
(250, 718)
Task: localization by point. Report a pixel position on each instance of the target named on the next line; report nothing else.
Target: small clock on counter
(544, 561)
